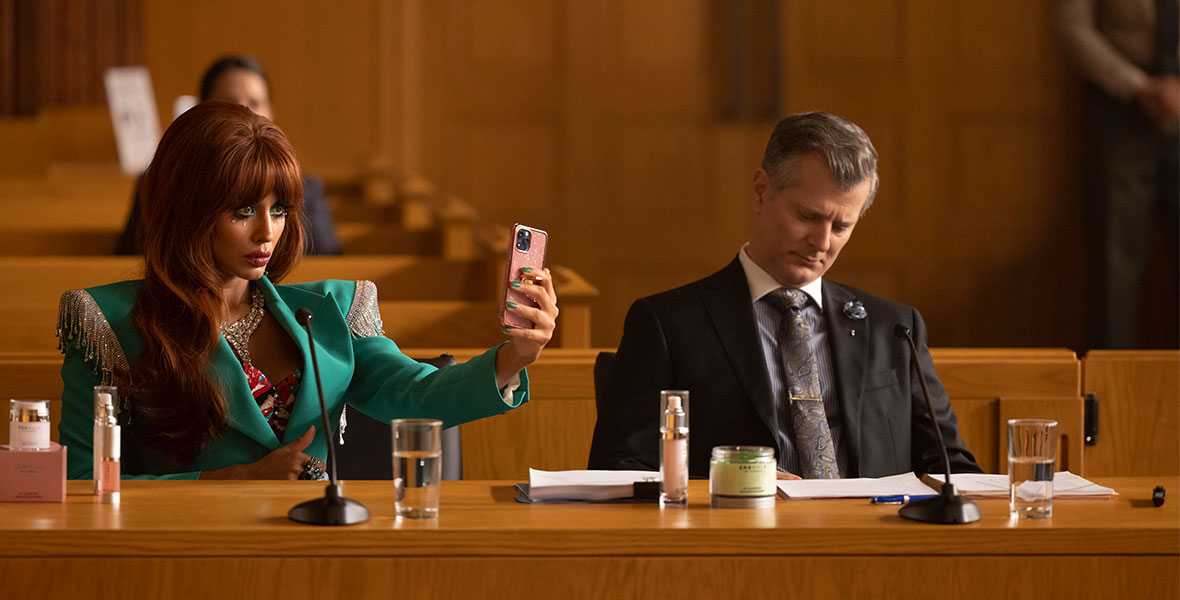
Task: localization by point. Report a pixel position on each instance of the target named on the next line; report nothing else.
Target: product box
(33, 475)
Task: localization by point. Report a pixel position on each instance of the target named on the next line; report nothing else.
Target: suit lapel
(283, 304)
(727, 300)
(849, 357)
(243, 412)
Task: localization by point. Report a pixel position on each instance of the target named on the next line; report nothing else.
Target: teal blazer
(359, 367)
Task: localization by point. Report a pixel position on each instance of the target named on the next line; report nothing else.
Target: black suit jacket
(702, 338)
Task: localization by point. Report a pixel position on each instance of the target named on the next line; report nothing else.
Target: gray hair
(846, 148)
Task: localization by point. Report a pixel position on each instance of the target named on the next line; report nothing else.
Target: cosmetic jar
(28, 425)
(742, 477)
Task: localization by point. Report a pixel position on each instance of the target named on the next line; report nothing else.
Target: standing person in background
(1127, 51)
(242, 80)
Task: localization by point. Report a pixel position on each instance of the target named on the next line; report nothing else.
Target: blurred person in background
(242, 80)
(1127, 53)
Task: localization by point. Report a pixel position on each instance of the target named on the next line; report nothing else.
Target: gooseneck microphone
(332, 509)
(948, 507)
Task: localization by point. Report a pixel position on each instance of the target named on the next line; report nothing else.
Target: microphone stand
(948, 507)
(332, 509)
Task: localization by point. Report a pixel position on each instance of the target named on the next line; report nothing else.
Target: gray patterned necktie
(813, 437)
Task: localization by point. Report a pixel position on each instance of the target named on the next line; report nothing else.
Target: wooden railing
(439, 268)
(986, 386)
(425, 301)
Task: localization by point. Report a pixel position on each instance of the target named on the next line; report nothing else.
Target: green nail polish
(527, 270)
(515, 284)
(507, 329)
(511, 304)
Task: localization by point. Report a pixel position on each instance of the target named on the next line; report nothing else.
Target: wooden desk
(232, 540)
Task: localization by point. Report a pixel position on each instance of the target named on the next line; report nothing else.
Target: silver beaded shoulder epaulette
(364, 319)
(81, 325)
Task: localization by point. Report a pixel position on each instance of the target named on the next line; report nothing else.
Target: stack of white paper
(894, 485)
(585, 485)
(986, 485)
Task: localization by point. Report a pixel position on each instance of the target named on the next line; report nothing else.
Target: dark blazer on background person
(702, 337)
(319, 226)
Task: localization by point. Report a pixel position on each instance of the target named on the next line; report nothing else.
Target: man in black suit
(748, 359)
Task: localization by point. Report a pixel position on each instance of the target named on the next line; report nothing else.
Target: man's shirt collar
(762, 283)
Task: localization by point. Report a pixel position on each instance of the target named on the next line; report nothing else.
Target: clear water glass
(417, 467)
(1032, 460)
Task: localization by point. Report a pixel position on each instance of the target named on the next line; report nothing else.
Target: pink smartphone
(526, 248)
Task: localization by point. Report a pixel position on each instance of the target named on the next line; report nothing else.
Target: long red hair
(214, 158)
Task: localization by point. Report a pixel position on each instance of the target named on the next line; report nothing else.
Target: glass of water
(1032, 458)
(417, 466)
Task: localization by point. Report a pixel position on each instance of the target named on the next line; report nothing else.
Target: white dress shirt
(767, 318)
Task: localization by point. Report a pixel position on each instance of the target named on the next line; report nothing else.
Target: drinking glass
(1032, 458)
(417, 466)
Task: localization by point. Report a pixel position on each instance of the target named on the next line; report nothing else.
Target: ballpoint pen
(899, 498)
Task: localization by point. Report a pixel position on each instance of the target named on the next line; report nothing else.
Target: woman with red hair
(205, 349)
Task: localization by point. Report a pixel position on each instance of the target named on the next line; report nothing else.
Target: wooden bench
(425, 301)
(554, 430)
(1138, 411)
(83, 214)
(988, 386)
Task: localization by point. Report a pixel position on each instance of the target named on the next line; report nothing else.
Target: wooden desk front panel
(964, 577)
(1138, 411)
(232, 540)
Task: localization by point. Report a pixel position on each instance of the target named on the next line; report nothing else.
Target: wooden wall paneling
(322, 59)
(1138, 411)
(8, 58)
(969, 106)
(79, 41)
(19, 59)
(744, 41)
(513, 168)
(593, 126)
(52, 58)
(872, 36)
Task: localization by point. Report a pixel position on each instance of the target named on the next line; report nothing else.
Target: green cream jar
(742, 477)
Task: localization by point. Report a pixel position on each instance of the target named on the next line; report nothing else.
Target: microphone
(948, 507)
(332, 509)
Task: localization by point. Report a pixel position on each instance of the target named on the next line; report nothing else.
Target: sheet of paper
(864, 487)
(586, 484)
(1065, 485)
(539, 478)
(132, 103)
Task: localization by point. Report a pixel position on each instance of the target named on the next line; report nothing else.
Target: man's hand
(1160, 101)
(786, 475)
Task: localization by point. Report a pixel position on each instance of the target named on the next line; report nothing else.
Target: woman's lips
(258, 259)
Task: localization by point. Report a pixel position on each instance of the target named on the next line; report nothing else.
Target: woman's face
(245, 237)
(246, 88)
